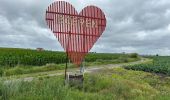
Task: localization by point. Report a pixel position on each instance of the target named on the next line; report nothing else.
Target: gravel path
(87, 70)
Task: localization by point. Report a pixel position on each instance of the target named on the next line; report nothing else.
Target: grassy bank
(115, 84)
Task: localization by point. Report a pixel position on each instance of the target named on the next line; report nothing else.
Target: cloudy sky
(141, 26)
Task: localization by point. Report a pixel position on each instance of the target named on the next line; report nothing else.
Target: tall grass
(26, 69)
(118, 84)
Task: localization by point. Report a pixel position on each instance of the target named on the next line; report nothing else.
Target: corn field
(12, 57)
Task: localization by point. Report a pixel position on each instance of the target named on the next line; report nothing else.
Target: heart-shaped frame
(77, 33)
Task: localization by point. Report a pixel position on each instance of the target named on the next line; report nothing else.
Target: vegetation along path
(90, 69)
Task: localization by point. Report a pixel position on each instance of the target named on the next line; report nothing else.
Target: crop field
(160, 64)
(12, 57)
(128, 82)
(14, 61)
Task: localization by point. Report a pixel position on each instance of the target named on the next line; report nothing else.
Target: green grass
(18, 70)
(14, 61)
(26, 69)
(115, 84)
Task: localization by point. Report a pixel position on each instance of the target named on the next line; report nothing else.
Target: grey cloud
(141, 26)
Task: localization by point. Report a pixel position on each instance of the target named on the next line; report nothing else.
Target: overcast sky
(141, 26)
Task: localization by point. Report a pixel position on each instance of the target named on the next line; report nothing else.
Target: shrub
(1, 71)
(133, 55)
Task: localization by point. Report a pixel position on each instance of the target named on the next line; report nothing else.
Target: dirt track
(87, 70)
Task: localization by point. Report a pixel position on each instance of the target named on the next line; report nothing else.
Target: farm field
(117, 83)
(14, 56)
(159, 65)
(84, 50)
(15, 61)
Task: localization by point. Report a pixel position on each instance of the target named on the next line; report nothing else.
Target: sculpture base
(75, 79)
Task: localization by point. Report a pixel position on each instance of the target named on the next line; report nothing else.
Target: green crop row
(161, 64)
(12, 57)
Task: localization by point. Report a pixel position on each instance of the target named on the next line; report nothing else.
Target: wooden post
(67, 44)
(66, 66)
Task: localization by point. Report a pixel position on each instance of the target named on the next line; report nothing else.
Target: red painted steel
(76, 33)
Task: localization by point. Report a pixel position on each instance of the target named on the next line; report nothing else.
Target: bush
(133, 55)
(1, 71)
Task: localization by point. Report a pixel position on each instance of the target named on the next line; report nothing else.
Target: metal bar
(67, 58)
(63, 25)
(68, 28)
(85, 31)
(50, 17)
(54, 17)
(93, 14)
(47, 15)
(74, 15)
(101, 21)
(98, 21)
(91, 29)
(66, 65)
(60, 24)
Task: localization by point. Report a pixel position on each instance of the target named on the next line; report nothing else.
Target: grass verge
(22, 69)
(115, 84)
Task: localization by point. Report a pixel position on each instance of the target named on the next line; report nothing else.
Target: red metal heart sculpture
(77, 33)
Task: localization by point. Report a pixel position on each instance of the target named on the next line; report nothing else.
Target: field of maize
(14, 56)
